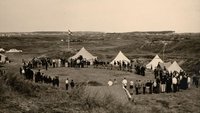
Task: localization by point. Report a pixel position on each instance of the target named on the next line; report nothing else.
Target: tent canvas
(120, 58)
(154, 63)
(86, 55)
(174, 67)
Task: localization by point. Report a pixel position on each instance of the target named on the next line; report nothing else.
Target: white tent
(2, 50)
(174, 67)
(13, 51)
(120, 58)
(154, 62)
(85, 54)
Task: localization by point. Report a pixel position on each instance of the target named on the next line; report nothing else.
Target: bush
(94, 83)
(88, 103)
(19, 84)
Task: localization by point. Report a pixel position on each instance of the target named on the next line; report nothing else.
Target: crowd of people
(122, 66)
(164, 83)
(38, 76)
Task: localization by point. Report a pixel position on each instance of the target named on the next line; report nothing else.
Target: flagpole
(68, 42)
(164, 50)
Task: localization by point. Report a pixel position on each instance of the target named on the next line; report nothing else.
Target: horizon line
(98, 31)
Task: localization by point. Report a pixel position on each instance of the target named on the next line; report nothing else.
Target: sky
(99, 15)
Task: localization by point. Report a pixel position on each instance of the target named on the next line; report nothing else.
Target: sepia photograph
(99, 56)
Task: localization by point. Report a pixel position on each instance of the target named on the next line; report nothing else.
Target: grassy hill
(180, 46)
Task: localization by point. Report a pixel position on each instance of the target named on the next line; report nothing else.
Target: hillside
(180, 46)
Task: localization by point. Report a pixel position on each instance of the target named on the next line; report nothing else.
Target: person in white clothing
(67, 84)
(131, 84)
(174, 82)
(124, 82)
(110, 82)
(188, 81)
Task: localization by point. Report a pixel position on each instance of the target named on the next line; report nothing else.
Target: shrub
(88, 103)
(94, 83)
(19, 84)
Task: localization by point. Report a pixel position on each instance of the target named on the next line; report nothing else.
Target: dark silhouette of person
(72, 84)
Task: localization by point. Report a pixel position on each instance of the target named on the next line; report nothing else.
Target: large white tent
(154, 62)
(120, 58)
(174, 67)
(85, 54)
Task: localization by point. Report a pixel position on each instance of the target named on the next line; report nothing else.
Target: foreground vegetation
(19, 95)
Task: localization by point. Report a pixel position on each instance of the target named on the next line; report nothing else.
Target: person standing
(115, 82)
(136, 87)
(197, 82)
(174, 82)
(151, 87)
(124, 82)
(144, 87)
(72, 84)
(46, 65)
(54, 63)
(163, 83)
(139, 86)
(168, 84)
(131, 84)
(67, 84)
(158, 85)
(154, 86)
(188, 81)
(37, 76)
(110, 82)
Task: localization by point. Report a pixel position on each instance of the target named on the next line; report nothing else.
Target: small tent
(154, 63)
(14, 51)
(85, 54)
(2, 50)
(2, 58)
(120, 58)
(174, 67)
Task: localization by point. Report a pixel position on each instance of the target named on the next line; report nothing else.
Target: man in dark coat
(168, 84)
(72, 84)
(136, 87)
(37, 75)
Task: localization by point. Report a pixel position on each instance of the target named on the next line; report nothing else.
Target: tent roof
(154, 62)
(120, 57)
(174, 67)
(86, 55)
